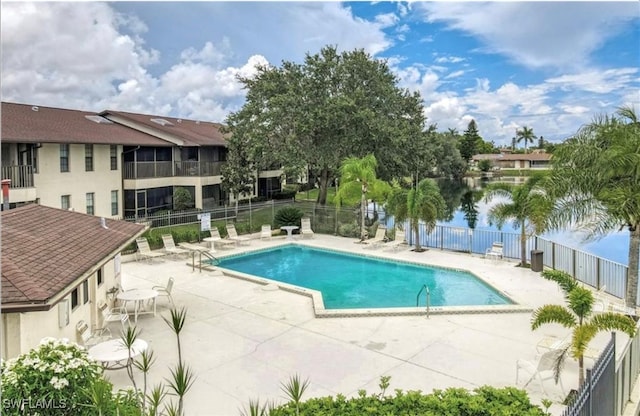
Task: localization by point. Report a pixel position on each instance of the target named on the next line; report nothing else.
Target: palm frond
(566, 282)
(610, 321)
(553, 314)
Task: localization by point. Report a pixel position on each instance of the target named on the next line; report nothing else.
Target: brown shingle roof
(46, 249)
(37, 124)
(192, 132)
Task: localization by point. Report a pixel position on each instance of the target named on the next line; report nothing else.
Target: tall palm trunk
(416, 230)
(363, 201)
(523, 244)
(632, 271)
(324, 186)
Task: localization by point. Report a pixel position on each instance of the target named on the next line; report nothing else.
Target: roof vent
(197, 121)
(98, 119)
(35, 108)
(162, 121)
(179, 120)
(103, 223)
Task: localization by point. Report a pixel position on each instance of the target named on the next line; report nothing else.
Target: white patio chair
(604, 303)
(165, 290)
(215, 239)
(144, 251)
(233, 235)
(398, 242)
(89, 338)
(542, 370)
(305, 228)
(496, 251)
(266, 232)
(117, 314)
(381, 235)
(170, 245)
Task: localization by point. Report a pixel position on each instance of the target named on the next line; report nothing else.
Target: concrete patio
(242, 339)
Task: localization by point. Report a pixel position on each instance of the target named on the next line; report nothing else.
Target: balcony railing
(21, 175)
(142, 170)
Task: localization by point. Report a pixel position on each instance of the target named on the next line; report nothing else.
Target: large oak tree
(331, 107)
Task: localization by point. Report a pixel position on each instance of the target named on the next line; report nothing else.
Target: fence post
(590, 387)
(598, 273)
(553, 255)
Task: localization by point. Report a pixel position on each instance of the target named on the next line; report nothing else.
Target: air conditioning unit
(63, 313)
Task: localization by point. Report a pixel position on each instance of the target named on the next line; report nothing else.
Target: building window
(114, 202)
(65, 201)
(114, 156)
(90, 202)
(85, 291)
(99, 277)
(88, 157)
(64, 158)
(74, 299)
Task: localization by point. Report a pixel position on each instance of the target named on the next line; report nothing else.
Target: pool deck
(243, 339)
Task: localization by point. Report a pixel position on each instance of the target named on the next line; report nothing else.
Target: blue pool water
(351, 281)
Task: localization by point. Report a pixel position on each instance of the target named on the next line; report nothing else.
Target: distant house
(56, 266)
(534, 160)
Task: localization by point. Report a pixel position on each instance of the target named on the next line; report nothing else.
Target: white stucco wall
(51, 184)
(23, 331)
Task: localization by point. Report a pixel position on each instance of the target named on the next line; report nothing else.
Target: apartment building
(113, 164)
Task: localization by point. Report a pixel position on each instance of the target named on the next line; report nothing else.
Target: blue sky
(551, 66)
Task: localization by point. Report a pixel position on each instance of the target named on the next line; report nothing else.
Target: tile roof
(36, 124)
(46, 249)
(513, 156)
(191, 132)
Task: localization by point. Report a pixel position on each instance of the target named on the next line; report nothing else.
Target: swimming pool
(353, 282)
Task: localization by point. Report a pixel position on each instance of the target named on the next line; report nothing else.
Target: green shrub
(284, 194)
(51, 379)
(349, 230)
(288, 216)
(485, 400)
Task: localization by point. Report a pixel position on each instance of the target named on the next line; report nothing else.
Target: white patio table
(290, 229)
(139, 296)
(113, 354)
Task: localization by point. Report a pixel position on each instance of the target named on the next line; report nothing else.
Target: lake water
(614, 246)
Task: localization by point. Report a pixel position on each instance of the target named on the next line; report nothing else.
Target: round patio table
(139, 296)
(113, 354)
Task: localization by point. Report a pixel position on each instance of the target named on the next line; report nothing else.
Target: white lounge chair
(89, 338)
(170, 245)
(381, 233)
(233, 235)
(215, 239)
(144, 251)
(605, 303)
(305, 228)
(266, 232)
(400, 241)
(555, 343)
(496, 251)
(542, 370)
(165, 290)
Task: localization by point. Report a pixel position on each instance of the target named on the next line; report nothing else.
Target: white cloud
(536, 34)
(448, 59)
(386, 20)
(455, 74)
(597, 81)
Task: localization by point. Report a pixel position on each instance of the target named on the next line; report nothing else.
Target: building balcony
(21, 176)
(146, 170)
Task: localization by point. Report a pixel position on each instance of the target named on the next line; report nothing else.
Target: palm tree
(526, 135)
(422, 203)
(578, 316)
(596, 176)
(357, 181)
(528, 205)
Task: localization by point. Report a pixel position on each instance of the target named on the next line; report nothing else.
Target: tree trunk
(416, 229)
(523, 245)
(363, 201)
(580, 370)
(324, 185)
(632, 270)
